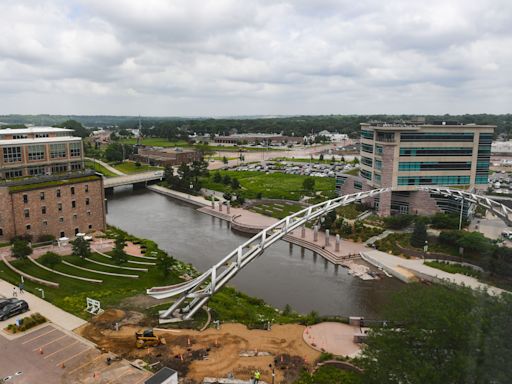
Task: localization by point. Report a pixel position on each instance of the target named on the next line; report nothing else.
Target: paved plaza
(335, 338)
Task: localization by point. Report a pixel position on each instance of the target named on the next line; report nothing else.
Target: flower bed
(27, 323)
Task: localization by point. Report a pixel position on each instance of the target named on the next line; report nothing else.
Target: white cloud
(227, 57)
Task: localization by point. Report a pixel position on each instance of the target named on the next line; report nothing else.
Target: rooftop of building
(415, 125)
(38, 182)
(168, 150)
(23, 131)
(39, 140)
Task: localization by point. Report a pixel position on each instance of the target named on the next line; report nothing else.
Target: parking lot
(52, 355)
(293, 168)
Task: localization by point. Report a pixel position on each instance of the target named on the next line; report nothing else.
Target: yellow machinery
(146, 338)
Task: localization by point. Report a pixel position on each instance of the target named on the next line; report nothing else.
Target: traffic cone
(62, 366)
(40, 351)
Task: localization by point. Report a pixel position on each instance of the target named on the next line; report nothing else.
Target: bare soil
(213, 353)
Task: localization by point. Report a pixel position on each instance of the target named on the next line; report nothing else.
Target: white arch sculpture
(195, 293)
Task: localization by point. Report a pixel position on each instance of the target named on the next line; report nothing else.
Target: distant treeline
(293, 125)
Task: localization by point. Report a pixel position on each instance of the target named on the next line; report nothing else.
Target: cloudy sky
(255, 57)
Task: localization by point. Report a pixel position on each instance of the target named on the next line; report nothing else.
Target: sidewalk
(108, 166)
(56, 315)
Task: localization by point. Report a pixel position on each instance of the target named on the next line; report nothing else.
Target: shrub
(50, 259)
(137, 164)
(446, 221)
(27, 323)
(45, 238)
(398, 221)
(20, 249)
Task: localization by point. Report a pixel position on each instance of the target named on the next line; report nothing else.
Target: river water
(280, 276)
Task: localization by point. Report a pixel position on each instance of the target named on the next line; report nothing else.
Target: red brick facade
(54, 210)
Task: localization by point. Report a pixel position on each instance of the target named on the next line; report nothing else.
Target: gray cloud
(227, 57)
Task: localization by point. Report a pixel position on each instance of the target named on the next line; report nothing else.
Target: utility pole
(461, 211)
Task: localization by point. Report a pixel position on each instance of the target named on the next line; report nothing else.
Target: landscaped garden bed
(26, 323)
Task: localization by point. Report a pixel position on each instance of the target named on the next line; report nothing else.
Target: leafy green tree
(81, 247)
(119, 256)
(20, 249)
(226, 180)
(308, 184)
(321, 157)
(419, 235)
(441, 334)
(77, 127)
(398, 221)
(50, 259)
(164, 263)
(224, 159)
(235, 184)
(329, 375)
(114, 152)
(217, 178)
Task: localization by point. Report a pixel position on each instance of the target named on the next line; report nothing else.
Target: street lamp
(425, 249)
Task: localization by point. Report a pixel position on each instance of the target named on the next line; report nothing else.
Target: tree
(226, 180)
(50, 259)
(321, 157)
(419, 235)
(217, 178)
(308, 184)
(119, 256)
(81, 247)
(342, 159)
(224, 159)
(76, 126)
(235, 184)
(114, 152)
(20, 249)
(164, 262)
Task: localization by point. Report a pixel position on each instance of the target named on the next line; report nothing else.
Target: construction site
(227, 351)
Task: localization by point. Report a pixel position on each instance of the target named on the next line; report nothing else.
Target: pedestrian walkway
(56, 315)
(413, 269)
(107, 166)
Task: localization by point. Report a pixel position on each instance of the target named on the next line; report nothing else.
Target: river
(280, 276)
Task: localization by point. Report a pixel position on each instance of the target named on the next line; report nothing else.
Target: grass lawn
(277, 210)
(130, 167)
(353, 172)
(453, 268)
(271, 186)
(99, 168)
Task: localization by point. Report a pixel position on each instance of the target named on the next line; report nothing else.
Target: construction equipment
(146, 338)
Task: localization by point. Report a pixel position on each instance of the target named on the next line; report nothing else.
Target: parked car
(6, 301)
(12, 309)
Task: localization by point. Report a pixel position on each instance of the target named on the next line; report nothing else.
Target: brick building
(166, 156)
(44, 189)
(408, 154)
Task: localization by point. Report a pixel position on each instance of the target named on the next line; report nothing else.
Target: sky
(255, 57)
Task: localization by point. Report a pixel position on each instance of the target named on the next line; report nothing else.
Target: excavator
(146, 338)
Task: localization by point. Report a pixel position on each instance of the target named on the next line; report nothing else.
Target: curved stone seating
(65, 274)
(100, 272)
(29, 277)
(116, 266)
(129, 261)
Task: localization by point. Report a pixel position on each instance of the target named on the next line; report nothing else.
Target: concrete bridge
(137, 179)
(193, 294)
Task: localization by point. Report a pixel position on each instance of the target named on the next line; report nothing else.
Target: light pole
(425, 249)
(461, 211)
(42, 292)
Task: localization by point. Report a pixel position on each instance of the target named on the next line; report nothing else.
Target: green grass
(130, 167)
(4, 245)
(54, 183)
(350, 211)
(453, 268)
(277, 210)
(99, 168)
(353, 172)
(271, 186)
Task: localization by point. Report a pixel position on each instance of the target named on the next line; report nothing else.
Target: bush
(27, 323)
(398, 221)
(45, 238)
(137, 164)
(447, 221)
(50, 259)
(20, 249)
(25, 237)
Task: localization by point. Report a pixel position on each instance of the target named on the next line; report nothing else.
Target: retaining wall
(65, 274)
(29, 277)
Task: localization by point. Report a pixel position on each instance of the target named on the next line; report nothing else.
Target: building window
(378, 164)
(40, 135)
(26, 213)
(379, 150)
(41, 195)
(86, 188)
(1, 232)
(433, 180)
(13, 174)
(377, 178)
(358, 185)
(58, 193)
(18, 137)
(366, 174)
(90, 226)
(366, 161)
(12, 154)
(72, 190)
(59, 168)
(61, 219)
(28, 226)
(88, 213)
(75, 216)
(77, 231)
(367, 148)
(387, 137)
(43, 210)
(36, 171)
(436, 151)
(366, 134)
(75, 149)
(87, 201)
(76, 166)
(73, 204)
(45, 223)
(58, 151)
(25, 199)
(59, 207)
(36, 152)
(62, 234)
(437, 136)
(434, 166)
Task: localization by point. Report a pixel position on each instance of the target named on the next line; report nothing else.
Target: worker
(257, 376)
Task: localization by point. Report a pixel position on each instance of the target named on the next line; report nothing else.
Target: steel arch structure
(193, 294)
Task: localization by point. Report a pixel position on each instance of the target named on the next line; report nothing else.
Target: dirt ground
(213, 353)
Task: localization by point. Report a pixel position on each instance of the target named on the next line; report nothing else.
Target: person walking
(21, 287)
(257, 376)
(14, 293)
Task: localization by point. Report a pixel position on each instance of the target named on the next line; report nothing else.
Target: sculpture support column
(327, 237)
(337, 244)
(303, 231)
(315, 233)
(220, 206)
(228, 206)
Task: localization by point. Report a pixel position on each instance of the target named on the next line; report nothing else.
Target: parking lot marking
(86, 364)
(62, 349)
(37, 337)
(72, 357)
(53, 341)
(127, 372)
